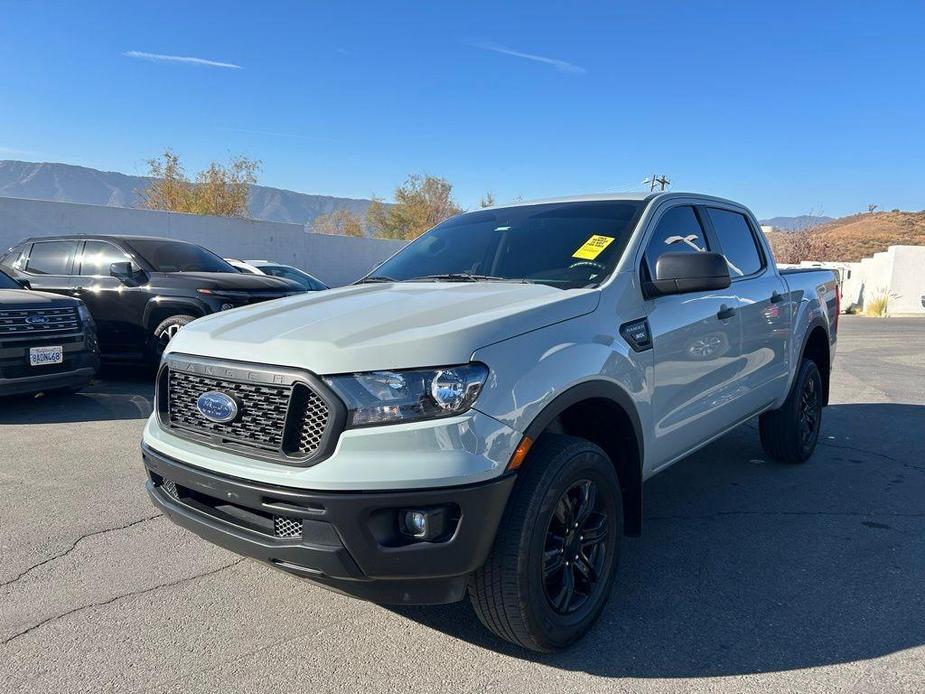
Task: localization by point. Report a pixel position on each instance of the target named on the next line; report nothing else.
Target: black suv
(140, 290)
(47, 342)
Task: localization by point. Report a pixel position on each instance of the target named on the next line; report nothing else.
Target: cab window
(678, 231)
(737, 241)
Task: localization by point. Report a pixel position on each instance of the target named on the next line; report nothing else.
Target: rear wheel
(164, 333)
(552, 566)
(790, 433)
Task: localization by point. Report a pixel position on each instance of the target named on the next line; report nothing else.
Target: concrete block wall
(335, 260)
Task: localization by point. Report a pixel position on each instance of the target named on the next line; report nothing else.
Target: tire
(790, 434)
(164, 332)
(512, 593)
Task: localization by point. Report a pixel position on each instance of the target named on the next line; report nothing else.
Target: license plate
(40, 356)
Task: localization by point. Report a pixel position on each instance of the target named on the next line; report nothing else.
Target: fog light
(416, 523)
(226, 307)
(425, 523)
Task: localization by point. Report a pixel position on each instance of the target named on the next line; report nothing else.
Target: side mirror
(122, 272)
(25, 284)
(679, 273)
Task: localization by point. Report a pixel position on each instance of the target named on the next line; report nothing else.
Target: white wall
(898, 271)
(335, 260)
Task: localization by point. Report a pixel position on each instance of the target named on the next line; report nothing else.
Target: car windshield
(294, 274)
(7, 282)
(565, 245)
(177, 256)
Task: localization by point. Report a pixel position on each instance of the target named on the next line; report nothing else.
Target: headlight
(84, 313)
(390, 397)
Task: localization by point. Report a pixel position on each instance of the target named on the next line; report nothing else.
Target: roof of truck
(605, 197)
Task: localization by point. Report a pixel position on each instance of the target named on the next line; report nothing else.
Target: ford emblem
(217, 407)
(36, 320)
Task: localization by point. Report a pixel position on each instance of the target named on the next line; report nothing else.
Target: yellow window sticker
(593, 247)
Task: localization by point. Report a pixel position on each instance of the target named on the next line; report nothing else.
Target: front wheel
(164, 333)
(553, 562)
(790, 433)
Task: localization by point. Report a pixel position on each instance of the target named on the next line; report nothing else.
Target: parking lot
(750, 575)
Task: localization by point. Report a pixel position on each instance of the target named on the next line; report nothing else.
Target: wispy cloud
(159, 58)
(560, 65)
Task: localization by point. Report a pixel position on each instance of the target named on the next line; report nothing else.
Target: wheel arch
(605, 414)
(816, 347)
(158, 310)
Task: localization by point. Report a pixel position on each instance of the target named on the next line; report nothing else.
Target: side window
(678, 231)
(735, 236)
(98, 256)
(50, 257)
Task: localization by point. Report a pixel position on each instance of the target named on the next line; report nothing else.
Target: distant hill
(68, 183)
(861, 235)
(804, 221)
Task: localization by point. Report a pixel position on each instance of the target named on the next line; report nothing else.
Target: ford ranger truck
(479, 414)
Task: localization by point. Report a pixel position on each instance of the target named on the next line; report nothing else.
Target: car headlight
(391, 397)
(84, 313)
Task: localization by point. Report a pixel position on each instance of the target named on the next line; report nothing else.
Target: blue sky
(789, 107)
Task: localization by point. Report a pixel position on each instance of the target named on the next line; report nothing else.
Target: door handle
(776, 298)
(725, 312)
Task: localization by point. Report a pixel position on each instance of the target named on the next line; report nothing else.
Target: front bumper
(349, 541)
(81, 361)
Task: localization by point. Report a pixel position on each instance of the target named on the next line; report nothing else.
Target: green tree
(421, 202)
(340, 222)
(220, 189)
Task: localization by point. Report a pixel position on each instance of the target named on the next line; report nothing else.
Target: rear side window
(738, 242)
(678, 231)
(50, 257)
(98, 256)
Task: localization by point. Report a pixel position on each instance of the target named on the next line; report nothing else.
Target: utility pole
(661, 180)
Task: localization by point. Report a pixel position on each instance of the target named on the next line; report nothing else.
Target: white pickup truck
(478, 415)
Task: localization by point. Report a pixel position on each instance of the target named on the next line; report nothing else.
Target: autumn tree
(220, 189)
(340, 222)
(421, 202)
(796, 246)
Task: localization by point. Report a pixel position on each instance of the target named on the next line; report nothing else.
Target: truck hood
(25, 298)
(373, 327)
(235, 281)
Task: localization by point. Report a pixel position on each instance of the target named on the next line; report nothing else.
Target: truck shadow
(748, 566)
(118, 392)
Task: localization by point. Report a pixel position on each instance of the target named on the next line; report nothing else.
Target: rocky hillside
(67, 183)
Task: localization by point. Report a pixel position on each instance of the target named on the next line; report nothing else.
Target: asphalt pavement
(750, 576)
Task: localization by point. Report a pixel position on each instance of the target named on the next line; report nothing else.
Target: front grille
(261, 422)
(282, 414)
(287, 527)
(38, 321)
(170, 487)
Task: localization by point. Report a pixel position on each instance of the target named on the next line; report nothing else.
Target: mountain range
(68, 183)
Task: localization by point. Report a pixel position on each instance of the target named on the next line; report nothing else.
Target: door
(696, 341)
(763, 306)
(48, 266)
(116, 307)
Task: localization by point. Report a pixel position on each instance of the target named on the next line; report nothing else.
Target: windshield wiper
(458, 277)
(376, 278)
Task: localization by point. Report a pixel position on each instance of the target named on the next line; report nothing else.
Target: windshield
(566, 245)
(176, 256)
(7, 282)
(294, 274)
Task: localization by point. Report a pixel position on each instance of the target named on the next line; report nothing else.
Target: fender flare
(199, 309)
(797, 356)
(606, 390)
